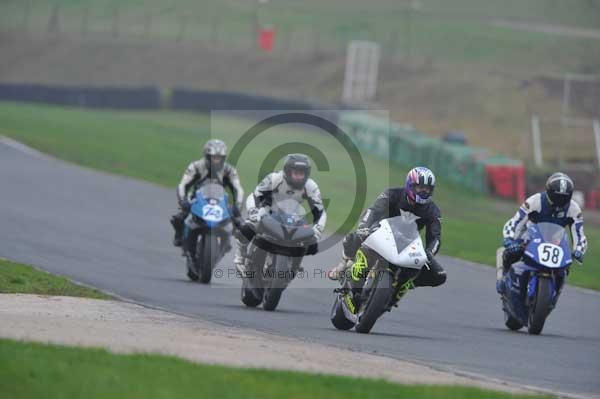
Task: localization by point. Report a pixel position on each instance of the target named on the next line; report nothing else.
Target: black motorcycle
(280, 241)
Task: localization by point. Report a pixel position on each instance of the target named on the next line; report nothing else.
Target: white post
(348, 92)
(597, 134)
(362, 63)
(537, 141)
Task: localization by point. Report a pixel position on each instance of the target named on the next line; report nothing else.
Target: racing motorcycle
(530, 289)
(209, 225)
(281, 239)
(391, 257)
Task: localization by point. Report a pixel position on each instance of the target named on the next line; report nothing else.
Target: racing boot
(239, 259)
(503, 264)
(177, 223)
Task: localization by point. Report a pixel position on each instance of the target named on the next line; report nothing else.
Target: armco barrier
(463, 165)
(207, 101)
(90, 97)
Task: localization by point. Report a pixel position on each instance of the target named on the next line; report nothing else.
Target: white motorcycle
(384, 267)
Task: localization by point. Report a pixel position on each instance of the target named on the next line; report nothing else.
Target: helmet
(215, 152)
(419, 186)
(296, 162)
(559, 189)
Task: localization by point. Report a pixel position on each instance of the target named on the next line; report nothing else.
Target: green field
(157, 147)
(48, 371)
(16, 278)
(460, 32)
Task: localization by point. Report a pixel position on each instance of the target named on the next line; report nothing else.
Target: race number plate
(212, 213)
(550, 255)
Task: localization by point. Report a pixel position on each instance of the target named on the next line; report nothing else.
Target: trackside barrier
(83, 96)
(462, 165)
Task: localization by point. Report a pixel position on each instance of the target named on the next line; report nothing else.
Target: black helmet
(298, 162)
(559, 189)
(215, 150)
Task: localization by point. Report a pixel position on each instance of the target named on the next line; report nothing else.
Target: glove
(185, 205)
(512, 246)
(578, 256)
(363, 233)
(317, 231)
(256, 214)
(253, 215)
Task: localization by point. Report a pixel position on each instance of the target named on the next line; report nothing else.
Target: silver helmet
(215, 152)
(296, 162)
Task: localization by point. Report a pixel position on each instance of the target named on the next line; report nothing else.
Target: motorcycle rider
(415, 197)
(554, 205)
(291, 183)
(212, 166)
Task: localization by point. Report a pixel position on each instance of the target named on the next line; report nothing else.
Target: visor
(423, 190)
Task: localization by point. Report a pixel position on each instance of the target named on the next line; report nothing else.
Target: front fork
(354, 286)
(557, 279)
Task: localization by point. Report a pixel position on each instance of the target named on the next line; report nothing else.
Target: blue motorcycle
(530, 289)
(207, 231)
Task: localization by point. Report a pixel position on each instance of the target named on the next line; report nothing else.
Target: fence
(401, 28)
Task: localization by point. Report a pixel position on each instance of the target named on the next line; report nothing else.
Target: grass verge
(16, 278)
(50, 371)
(158, 146)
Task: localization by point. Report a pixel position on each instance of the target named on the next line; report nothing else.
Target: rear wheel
(248, 295)
(210, 254)
(541, 307)
(377, 301)
(338, 318)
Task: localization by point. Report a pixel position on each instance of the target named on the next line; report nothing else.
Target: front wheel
(272, 297)
(210, 254)
(278, 278)
(541, 307)
(378, 298)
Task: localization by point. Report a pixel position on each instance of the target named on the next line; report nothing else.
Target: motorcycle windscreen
(398, 241)
(211, 203)
(287, 223)
(548, 245)
(212, 191)
(290, 211)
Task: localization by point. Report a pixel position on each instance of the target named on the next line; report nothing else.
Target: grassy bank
(157, 147)
(49, 371)
(16, 278)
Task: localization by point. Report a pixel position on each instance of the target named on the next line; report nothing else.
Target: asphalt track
(113, 233)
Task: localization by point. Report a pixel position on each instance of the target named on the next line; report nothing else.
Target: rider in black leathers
(415, 197)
